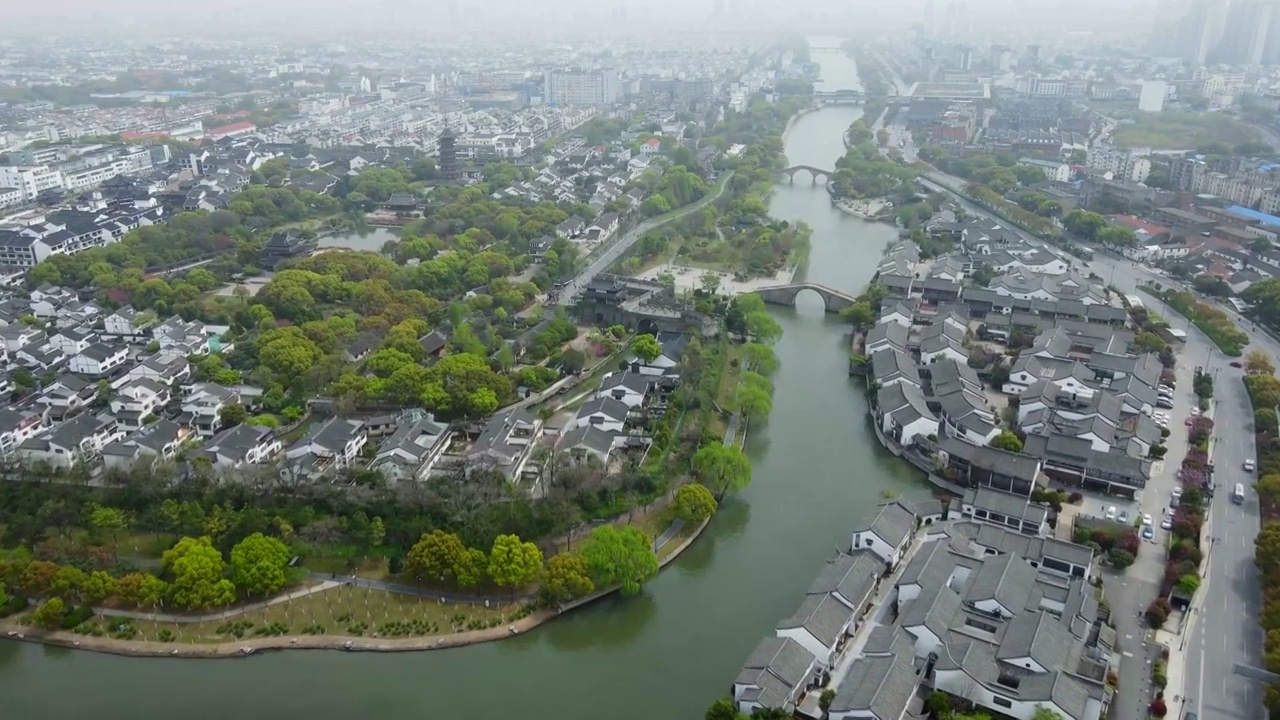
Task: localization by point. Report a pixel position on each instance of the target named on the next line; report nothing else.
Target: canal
(667, 653)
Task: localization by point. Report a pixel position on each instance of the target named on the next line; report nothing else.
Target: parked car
(1111, 513)
(1146, 519)
(1124, 517)
(1248, 465)
(1235, 364)
(1148, 533)
(1166, 523)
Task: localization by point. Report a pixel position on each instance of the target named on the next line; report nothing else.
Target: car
(1248, 465)
(1235, 364)
(1148, 533)
(1164, 403)
(1146, 519)
(1111, 513)
(1177, 492)
(1124, 517)
(1166, 523)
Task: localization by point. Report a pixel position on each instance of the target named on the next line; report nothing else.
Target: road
(569, 293)
(1222, 633)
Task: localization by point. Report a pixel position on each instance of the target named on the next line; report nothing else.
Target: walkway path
(213, 617)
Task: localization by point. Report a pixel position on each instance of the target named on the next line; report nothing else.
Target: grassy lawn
(1182, 131)
(339, 611)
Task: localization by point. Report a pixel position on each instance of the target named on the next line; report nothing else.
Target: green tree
(566, 578)
(513, 563)
(722, 709)
(106, 521)
(1084, 223)
(232, 414)
(98, 586)
(760, 358)
(68, 581)
(51, 613)
(442, 556)
(1147, 341)
(753, 401)
(259, 563)
(695, 503)
(762, 327)
(197, 568)
(859, 314)
(1043, 713)
(1006, 440)
(722, 468)
(620, 556)
(1189, 583)
(646, 347)
(1259, 363)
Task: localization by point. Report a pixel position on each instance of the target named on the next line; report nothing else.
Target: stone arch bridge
(833, 300)
(814, 173)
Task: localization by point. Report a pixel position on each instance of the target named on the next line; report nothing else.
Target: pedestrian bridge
(833, 301)
(814, 173)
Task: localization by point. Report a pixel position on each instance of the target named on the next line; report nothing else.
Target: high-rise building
(1245, 32)
(1151, 98)
(1197, 30)
(582, 87)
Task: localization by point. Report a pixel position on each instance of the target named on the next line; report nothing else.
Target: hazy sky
(165, 19)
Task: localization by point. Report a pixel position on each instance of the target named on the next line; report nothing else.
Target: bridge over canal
(833, 301)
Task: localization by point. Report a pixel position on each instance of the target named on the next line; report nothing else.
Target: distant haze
(167, 20)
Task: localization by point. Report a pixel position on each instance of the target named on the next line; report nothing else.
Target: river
(667, 653)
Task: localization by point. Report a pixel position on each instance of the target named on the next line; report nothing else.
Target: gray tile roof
(823, 616)
(889, 640)
(1006, 504)
(851, 577)
(607, 406)
(882, 686)
(782, 658)
(1037, 636)
(589, 437)
(935, 608)
(889, 364)
(1006, 579)
(893, 523)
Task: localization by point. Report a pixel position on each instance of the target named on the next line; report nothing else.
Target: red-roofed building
(1144, 230)
(232, 130)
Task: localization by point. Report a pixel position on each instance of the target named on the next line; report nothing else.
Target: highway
(568, 294)
(1222, 634)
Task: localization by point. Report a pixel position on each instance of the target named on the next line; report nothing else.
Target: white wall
(867, 540)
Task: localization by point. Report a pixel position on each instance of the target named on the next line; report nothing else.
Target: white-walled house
(875, 688)
(240, 446)
(16, 427)
(412, 450)
(889, 533)
(138, 400)
(603, 413)
(99, 359)
(904, 413)
(628, 388)
(331, 445)
(202, 407)
(776, 675)
(156, 443)
(128, 323)
(820, 625)
(80, 439)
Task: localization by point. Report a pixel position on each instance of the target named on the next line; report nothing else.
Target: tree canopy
(620, 556)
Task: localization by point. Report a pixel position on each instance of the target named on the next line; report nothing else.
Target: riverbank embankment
(246, 648)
